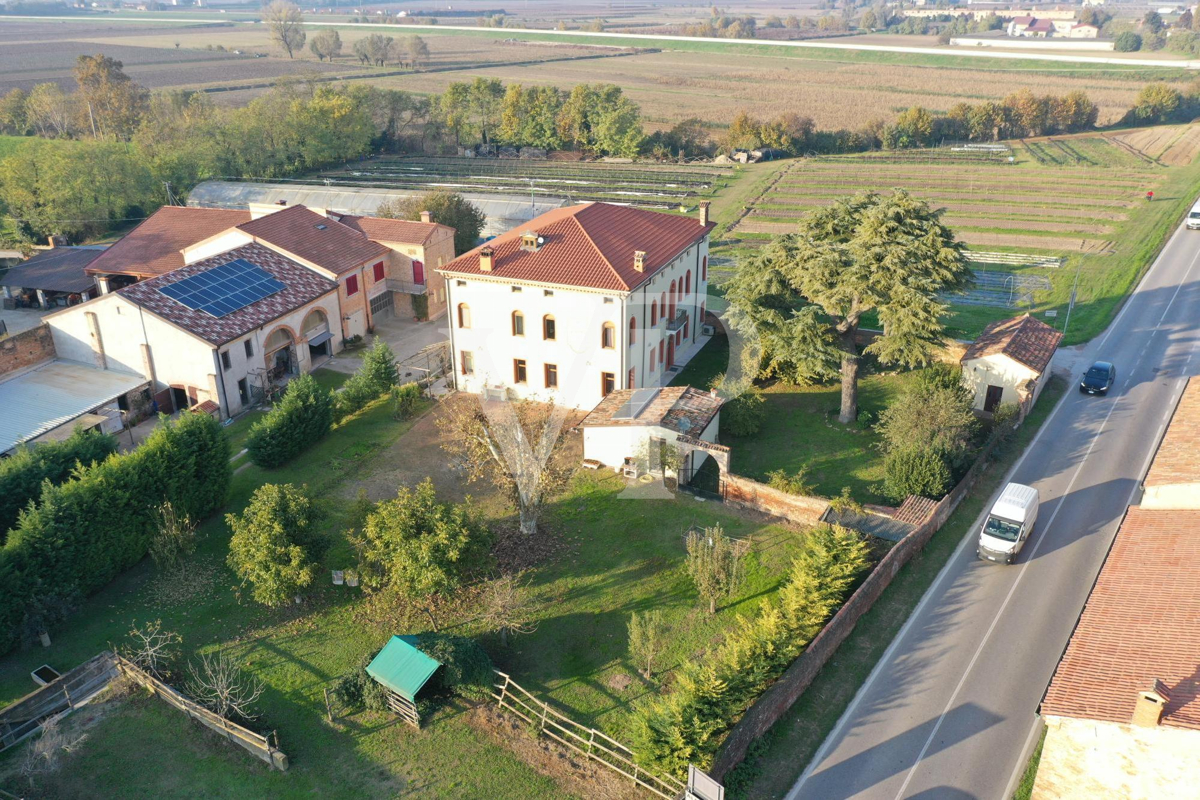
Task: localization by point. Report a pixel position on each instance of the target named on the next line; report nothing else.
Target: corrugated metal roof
(54, 394)
(503, 211)
(401, 667)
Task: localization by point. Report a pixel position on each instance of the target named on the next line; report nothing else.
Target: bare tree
(286, 24)
(712, 562)
(646, 640)
(152, 648)
(173, 540)
(42, 757)
(218, 684)
(508, 606)
(516, 444)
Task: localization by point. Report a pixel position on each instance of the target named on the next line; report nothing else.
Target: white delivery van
(1193, 217)
(1009, 523)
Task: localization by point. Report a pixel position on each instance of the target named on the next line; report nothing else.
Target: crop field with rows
(648, 185)
(1080, 201)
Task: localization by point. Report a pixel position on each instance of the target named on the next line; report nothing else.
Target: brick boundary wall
(782, 694)
(25, 349)
(746, 493)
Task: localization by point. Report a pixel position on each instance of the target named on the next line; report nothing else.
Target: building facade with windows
(580, 302)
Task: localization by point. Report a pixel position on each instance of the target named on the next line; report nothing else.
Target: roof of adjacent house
(302, 286)
(154, 246)
(57, 270)
(679, 408)
(1024, 339)
(315, 238)
(590, 245)
(394, 230)
(1178, 457)
(1141, 624)
(1041, 25)
(1022, 20)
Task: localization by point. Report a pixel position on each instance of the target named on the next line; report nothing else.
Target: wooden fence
(257, 745)
(588, 742)
(25, 717)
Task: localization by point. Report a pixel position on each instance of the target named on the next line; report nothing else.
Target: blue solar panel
(225, 289)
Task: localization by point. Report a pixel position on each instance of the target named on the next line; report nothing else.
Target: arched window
(654, 313)
(278, 338)
(608, 336)
(704, 269)
(549, 333)
(315, 323)
(632, 330)
(671, 312)
(518, 323)
(687, 283)
(464, 315)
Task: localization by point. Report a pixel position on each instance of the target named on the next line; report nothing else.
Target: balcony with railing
(677, 322)
(406, 287)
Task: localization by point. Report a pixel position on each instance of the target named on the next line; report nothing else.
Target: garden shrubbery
(21, 475)
(303, 416)
(83, 532)
(686, 725)
(378, 374)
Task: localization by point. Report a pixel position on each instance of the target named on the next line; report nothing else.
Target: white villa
(580, 302)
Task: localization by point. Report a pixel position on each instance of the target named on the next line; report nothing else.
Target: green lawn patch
(237, 431)
(330, 379)
(1025, 787)
(780, 756)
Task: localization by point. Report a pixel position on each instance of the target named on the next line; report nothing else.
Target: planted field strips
(660, 186)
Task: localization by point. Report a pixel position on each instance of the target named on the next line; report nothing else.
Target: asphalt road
(950, 710)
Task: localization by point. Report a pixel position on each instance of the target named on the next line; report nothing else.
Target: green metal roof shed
(401, 667)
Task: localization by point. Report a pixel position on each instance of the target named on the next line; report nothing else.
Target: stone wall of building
(26, 349)
(1099, 760)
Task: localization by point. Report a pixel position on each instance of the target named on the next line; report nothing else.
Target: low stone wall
(745, 493)
(26, 349)
(777, 699)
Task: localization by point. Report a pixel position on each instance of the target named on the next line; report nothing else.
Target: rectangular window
(244, 392)
(249, 348)
(418, 272)
(631, 386)
(608, 300)
(651, 360)
(518, 325)
(551, 376)
(460, 283)
(226, 361)
(547, 293)
(548, 330)
(516, 289)
(519, 373)
(351, 285)
(466, 363)
(608, 383)
(378, 272)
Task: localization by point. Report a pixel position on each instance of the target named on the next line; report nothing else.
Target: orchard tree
(273, 543)
(417, 50)
(806, 293)
(446, 208)
(517, 445)
(286, 24)
(326, 44)
(713, 564)
(509, 606)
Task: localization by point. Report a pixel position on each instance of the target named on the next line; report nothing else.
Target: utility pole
(1071, 303)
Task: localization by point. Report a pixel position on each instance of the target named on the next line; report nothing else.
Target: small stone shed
(403, 670)
(1010, 362)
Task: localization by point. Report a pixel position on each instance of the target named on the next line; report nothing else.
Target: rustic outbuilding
(1010, 362)
(403, 670)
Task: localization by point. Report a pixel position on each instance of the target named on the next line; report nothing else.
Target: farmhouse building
(1123, 708)
(631, 427)
(51, 277)
(581, 302)
(1010, 362)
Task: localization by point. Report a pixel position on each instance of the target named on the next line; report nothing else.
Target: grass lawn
(1025, 787)
(239, 429)
(330, 379)
(611, 556)
(781, 755)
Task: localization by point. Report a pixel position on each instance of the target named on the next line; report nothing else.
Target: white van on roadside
(1193, 217)
(1009, 523)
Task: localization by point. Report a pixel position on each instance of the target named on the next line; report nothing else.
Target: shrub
(935, 411)
(742, 415)
(420, 306)
(273, 543)
(356, 689)
(377, 375)
(685, 726)
(303, 416)
(1127, 42)
(21, 475)
(920, 470)
(466, 669)
(84, 532)
(404, 400)
(796, 483)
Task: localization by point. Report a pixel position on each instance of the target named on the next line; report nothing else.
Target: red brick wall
(26, 349)
(745, 493)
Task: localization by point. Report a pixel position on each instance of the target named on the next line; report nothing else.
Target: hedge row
(83, 533)
(303, 416)
(22, 474)
(378, 374)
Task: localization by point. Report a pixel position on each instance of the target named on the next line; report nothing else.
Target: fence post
(591, 741)
(545, 708)
(67, 695)
(328, 708)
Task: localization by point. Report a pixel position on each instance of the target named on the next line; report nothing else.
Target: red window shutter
(351, 285)
(379, 272)
(418, 272)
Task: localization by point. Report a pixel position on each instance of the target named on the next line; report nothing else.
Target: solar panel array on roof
(225, 289)
(636, 403)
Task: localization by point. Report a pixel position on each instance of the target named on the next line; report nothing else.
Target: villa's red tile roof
(378, 229)
(1178, 457)
(590, 245)
(315, 238)
(1141, 624)
(303, 285)
(153, 247)
(1023, 339)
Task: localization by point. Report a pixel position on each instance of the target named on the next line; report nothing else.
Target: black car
(1099, 378)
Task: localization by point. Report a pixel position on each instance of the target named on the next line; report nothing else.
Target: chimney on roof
(704, 212)
(426, 216)
(486, 259)
(639, 260)
(57, 240)
(1150, 703)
